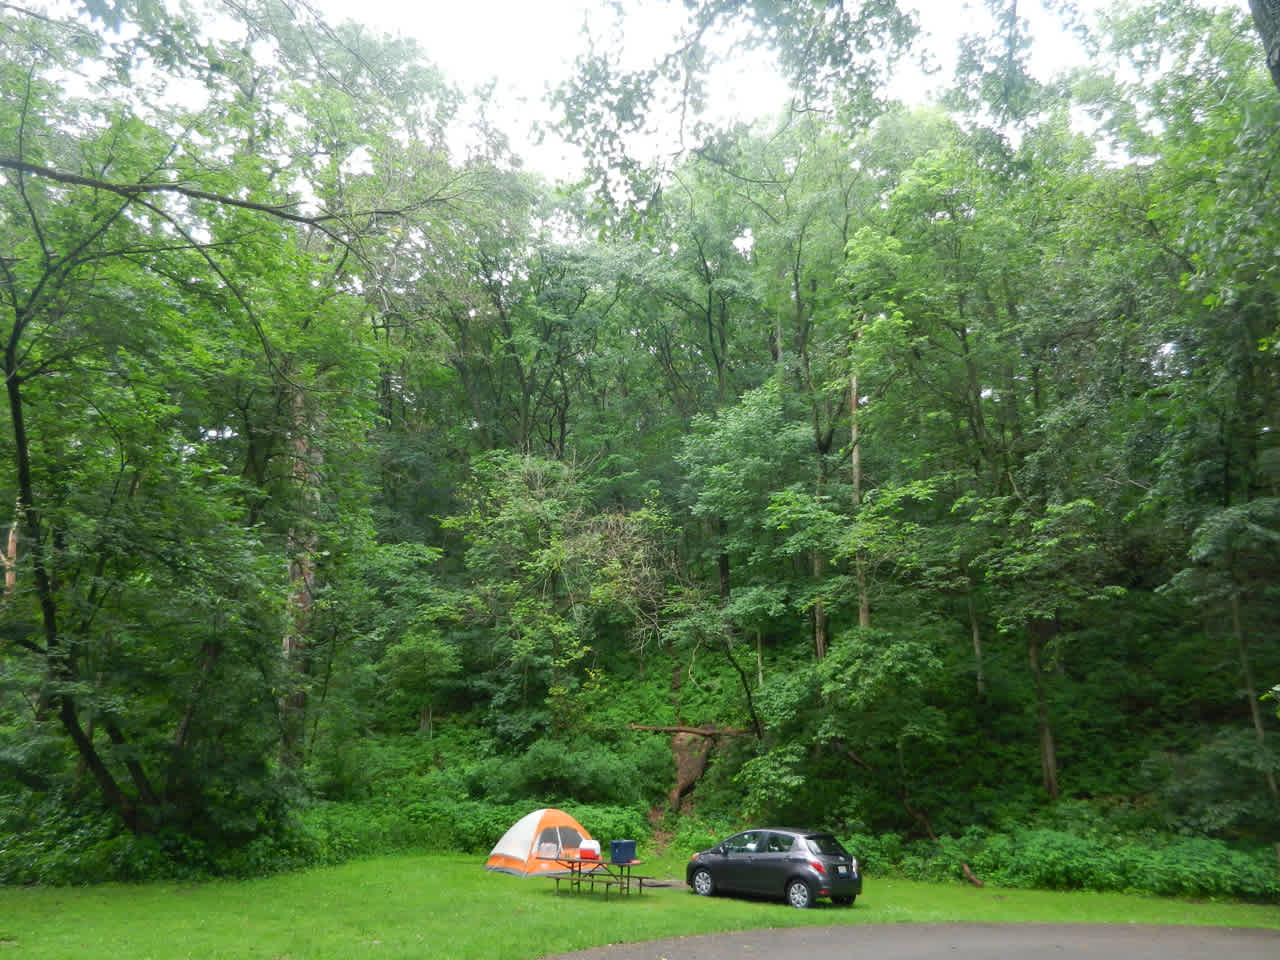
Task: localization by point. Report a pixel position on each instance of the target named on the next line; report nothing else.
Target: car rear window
(825, 843)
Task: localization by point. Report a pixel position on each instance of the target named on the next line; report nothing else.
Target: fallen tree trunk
(690, 748)
(696, 731)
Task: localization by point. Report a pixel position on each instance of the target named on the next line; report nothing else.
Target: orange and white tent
(546, 833)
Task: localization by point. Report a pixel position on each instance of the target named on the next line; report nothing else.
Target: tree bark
(1266, 17)
(691, 763)
(11, 560)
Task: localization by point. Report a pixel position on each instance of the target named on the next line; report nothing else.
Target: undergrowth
(64, 848)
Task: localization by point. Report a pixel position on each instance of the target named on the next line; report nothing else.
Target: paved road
(970, 941)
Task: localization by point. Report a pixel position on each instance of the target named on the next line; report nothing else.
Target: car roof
(795, 831)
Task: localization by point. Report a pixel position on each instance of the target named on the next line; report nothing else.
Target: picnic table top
(582, 861)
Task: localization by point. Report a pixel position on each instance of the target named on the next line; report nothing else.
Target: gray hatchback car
(797, 865)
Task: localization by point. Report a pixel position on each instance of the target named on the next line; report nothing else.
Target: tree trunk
(1250, 688)
(425, 721)
(11, 560)
(209, 654)
(59, 659)
(976, 632)
(1266, 17)
(818, 557)
(301, 540)
(690, 752)
(722, 560)
(855, 456)
(819, 610)
(685, 728)
(727, 645)
(1037, 633)
(140, 779)
(111, 792)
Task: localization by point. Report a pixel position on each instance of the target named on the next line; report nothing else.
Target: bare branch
(284, 211)
(133, 191)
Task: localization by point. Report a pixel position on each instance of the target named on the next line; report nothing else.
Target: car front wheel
(799, 895)
(702, 883)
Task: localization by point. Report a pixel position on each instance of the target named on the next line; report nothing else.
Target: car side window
(744, 843)
(778, 843)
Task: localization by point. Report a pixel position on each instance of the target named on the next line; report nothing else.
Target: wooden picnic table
(609, 873)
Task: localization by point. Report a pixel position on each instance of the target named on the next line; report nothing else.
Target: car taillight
(817, 866)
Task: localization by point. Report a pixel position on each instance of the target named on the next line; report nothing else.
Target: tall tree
(163, 253)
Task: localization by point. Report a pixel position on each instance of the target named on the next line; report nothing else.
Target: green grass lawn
(451, 908)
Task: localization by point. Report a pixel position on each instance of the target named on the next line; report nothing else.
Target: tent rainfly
(544, 833)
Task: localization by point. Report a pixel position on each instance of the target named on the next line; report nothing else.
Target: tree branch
(134, 191)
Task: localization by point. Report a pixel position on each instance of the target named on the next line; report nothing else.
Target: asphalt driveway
(988, 941)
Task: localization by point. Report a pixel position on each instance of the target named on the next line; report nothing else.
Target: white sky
(529, 45)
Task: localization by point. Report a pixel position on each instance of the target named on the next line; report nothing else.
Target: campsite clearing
(407, 907)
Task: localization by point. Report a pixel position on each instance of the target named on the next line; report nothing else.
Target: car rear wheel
(702, 883)
(799, 895)
(844, 901)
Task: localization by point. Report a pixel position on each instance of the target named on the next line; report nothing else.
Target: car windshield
(825, 843)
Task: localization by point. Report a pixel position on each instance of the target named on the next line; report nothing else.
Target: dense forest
(911, 471)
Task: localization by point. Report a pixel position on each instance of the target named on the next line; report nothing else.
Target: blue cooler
(622, 851)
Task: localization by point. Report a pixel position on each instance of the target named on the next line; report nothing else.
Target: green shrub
(1056, 860)
(607, 823)
(1097, 859)
(336, 832)
(693, 833)
(48, 842)
(59, 844)
(877, 853)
